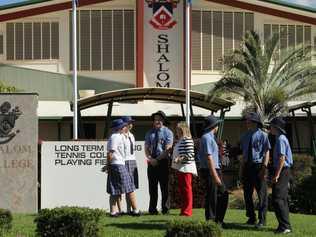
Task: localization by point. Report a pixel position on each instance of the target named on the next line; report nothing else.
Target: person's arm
(265, 163)
(147, 146)
(280, 150)
(212, 170)
(165, 153)
(276, 176)
(168, 147)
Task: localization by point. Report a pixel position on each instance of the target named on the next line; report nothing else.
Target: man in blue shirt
(282, 161)
(216, 198)
(255, 147)
(158, 145)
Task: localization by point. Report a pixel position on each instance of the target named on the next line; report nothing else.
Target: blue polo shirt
(165, 137)
(282, 148)
(259, 145)
(208, 146)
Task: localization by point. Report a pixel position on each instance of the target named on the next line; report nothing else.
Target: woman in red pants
(183, 161)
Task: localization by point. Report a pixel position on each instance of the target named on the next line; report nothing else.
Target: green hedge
(190, 228)
(5, 221)
(69, 222)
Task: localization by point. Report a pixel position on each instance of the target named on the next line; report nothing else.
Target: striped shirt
(186, 150)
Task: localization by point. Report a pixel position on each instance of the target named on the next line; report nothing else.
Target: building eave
(302, 14)
(290, 5)
(300, 17)
(46, 9)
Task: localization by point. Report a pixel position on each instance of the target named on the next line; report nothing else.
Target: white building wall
(62, 65)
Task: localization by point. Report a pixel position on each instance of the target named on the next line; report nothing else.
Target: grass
(126, 226)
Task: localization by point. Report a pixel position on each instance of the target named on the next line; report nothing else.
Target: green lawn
(303, 225)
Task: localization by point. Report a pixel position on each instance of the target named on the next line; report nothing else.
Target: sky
(309, 3)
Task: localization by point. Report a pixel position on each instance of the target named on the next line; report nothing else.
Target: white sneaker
(285, 231)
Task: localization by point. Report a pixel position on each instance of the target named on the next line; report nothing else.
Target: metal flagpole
(74, 68)
(187, 60)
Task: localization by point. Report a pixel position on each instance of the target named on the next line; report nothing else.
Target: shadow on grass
(145, 225)
(239, 226)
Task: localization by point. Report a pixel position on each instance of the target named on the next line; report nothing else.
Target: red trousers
(185, 191)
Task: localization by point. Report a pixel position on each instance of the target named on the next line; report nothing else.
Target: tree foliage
(265, 77)
(7, 89)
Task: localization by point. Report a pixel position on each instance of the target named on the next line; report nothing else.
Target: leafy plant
(68, 221)
(5, 221)
(265, 79)
(190, 228)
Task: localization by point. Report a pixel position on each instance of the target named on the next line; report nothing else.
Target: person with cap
(130, 158)
(119, 181)
(216, 198)
(158, 146)
(282, 162)
(255, 148)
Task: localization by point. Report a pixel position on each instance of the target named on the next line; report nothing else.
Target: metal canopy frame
(160, 94)
(305, 107)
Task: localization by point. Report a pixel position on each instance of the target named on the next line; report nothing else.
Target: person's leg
(153, 189)
(279, 197)
(222, 201)
(113, 205)
(248, 192)
(119, 203)
(210, 195)
(132, 199)
(204, 180)
(128, 204)
(185, 188)
(163, 178)
(180, 190)
(262, 191)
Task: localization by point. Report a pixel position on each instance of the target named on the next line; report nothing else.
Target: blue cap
(127, 119)
(118, 124)
(211, 121)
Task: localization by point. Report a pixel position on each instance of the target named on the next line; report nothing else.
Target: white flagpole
(187, 60)
(74, 68)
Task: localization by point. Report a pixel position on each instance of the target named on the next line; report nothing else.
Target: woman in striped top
(183, 161)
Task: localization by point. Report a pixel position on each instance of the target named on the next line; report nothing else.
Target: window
(290, 35)
(105, 40)
(216, 33)
(32, 40)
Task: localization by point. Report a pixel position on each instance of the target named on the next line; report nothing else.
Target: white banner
(163, 43)
(71, 175)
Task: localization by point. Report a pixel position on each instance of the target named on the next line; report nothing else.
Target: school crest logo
(162, 18)
(7, 122)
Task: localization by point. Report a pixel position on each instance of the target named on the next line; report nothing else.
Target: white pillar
(74, 68)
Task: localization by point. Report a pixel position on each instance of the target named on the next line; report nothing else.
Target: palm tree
(266, 80)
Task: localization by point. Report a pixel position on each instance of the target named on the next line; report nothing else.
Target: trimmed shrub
(190, 228)
(68, 221)
(303, 195)
(5, 221)
(302, 185)
(302, 168)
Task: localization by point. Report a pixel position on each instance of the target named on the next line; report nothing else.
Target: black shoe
(133, 213)
(221, 224)
(260, 224)
(251, 221)
(155, 212)
(165, 212)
